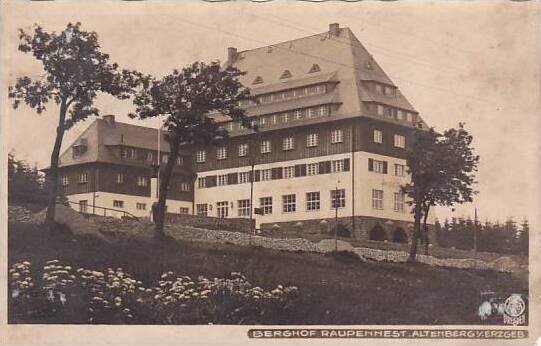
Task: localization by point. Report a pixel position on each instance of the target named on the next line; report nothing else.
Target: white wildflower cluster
(20, 280)
(58, 279)
(113, 296)
(111, 292)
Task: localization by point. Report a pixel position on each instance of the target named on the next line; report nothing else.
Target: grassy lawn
(332, 291)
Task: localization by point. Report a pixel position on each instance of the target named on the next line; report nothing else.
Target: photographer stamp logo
(514, 308)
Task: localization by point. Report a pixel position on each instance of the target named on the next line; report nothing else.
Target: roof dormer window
(285, 74)
(314, 68)
(258, 80)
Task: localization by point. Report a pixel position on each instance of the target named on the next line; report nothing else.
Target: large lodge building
(333, 133)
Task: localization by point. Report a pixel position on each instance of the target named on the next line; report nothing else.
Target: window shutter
(257, 176)
(384, 167)
(322, 167)
(371, 165)
(232, 178)
(277, 173)
(211, 181)
(300, 170)
(346, 165)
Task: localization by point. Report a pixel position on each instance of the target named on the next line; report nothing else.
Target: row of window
(289, 203)
(143, 206)
(134, 154)
(286, 95)
(282, 117)
(285, 74)
(142, 181)
(288, 143)
(265, 146)
(395, 113)
(300, 170)
(380, 166)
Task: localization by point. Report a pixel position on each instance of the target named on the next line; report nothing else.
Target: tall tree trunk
(416, 234)
(159, 219)
(52, 176)
(425, 229)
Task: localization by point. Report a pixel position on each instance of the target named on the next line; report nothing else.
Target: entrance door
(83, 206)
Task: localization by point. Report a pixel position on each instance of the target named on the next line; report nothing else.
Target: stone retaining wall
(114, 227)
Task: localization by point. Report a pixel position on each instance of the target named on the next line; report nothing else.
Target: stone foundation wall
(208, 222)
(360, 227)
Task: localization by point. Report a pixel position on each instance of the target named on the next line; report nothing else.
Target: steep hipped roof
(337, 53)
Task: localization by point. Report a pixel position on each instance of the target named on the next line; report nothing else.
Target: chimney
(334, 29)
(109, 119)
(231, 55)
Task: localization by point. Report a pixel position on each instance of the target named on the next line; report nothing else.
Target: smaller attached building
(111, 170)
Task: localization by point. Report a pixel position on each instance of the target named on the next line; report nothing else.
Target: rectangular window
(265, 174)
(323, 110)
(381, 109)
(150, 156)
(289, 203)
(83, 178)
(337, 136)
(65, 180)
(142, 181)
(244, 177)
(399, 202)
(243, 149)
(312, 140)
(399, 141)
(201, 182)
(313, 201)
(379, 88)
(337, 166)
(286, 117)
(321, 89)
(118, 204)
(400, 114)
(312, 168)
(185, 187)
(202, 209)
(377, 199)
(221, 153)
(288, 143)
(184, 210)
(244, 207)
(289, 172)
(379, 166)
(378, 136)
(265, 147)
(120, 178)
(140, 206)
(165, 158)
(299, 114)
(222, 180)
(222, 209)
(201, 156)
(312, 112)
(265, 203)
(399, 170)
(180, 161)
(338, 198)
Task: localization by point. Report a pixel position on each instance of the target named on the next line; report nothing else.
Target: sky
(474, 62)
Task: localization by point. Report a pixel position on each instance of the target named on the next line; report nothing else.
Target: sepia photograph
(226, 171)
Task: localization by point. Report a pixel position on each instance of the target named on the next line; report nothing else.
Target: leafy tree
(442, 168)
(188, 100)
(75, 71)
